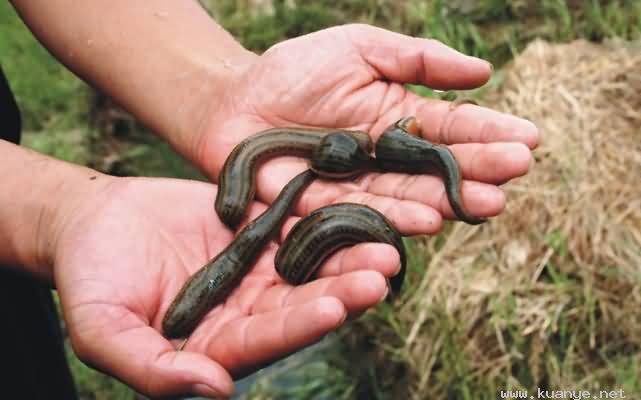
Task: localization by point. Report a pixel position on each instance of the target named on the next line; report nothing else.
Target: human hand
(352, 77)
(122, 253)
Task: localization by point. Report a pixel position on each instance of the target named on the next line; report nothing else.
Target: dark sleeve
(10, 123)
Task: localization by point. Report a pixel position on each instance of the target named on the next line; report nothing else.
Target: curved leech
(237, 182)
(399, 150)
(326, 230)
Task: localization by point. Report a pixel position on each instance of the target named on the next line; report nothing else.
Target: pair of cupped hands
(125, 252)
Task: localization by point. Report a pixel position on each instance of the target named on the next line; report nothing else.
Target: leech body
(339, 152)
(317, 236)
(212, 283)
(340, 155)
(399, 151)
(236, 180)
(333, 153)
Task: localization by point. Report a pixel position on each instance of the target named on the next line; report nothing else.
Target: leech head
(339, 156)
(406, 125)
(410, 125)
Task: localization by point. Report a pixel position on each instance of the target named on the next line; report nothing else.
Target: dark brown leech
(237, 182)
(211, 284)
(340, 156)
(317, 236)
(399, 151)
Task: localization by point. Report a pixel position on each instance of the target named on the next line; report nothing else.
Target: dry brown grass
(549, 293)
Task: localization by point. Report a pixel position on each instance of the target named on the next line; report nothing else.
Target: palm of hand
(291, 86)
(354, 79)
(124, 260)
(329, 87)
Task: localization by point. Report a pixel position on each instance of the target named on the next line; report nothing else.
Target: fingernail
(203, 390)
(343, 319)
(387, 289)
(482, 61)
(397, 270)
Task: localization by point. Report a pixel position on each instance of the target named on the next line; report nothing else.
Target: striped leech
(334, 154)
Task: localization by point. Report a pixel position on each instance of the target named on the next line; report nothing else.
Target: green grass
(491, 29)
(92, 384)
(48, 94)
(263, 30)
(52, 101)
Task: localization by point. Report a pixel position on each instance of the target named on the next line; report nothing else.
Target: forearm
(39, 194)
(162, 60)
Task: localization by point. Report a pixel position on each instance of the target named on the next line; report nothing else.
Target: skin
(118, 257)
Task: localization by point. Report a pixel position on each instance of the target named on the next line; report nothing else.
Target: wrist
(40, 199)
(210, 104)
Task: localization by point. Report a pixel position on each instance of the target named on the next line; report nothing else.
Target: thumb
(145, 360)
(407, 59)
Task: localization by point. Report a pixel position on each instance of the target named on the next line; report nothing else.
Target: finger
(469, 123)
(142, 358)
(400, 58)
(494, 163)
(421, 195)
(416, 203)
(245, 344)
(480, 199)
(358, 291)
(380, 257)
(408, 217)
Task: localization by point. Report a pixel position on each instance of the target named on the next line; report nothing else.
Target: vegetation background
(588, 335)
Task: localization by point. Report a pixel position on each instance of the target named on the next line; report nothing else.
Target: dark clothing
(10, 116)
(33, 356)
